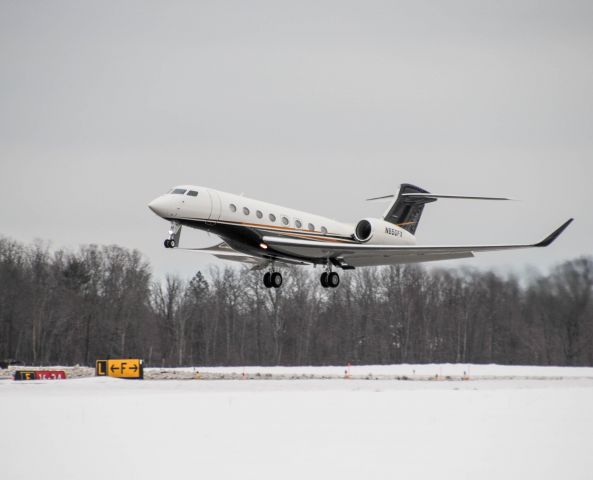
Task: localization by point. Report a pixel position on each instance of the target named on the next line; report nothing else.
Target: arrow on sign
(134, 368)
(114, 368)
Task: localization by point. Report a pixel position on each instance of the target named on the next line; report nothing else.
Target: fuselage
(242, 222)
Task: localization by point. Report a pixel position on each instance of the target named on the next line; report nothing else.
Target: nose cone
(158, 206)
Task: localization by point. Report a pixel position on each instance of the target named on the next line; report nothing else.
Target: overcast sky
(312, 105)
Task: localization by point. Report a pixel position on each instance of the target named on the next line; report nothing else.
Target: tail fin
(406, 210)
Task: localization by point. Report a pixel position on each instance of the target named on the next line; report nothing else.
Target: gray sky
(313, 105)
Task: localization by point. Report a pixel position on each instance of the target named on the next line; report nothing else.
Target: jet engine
(377, 231)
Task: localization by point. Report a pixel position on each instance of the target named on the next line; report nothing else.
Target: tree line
(65, 307)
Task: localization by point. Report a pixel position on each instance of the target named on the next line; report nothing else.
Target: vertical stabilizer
(406, 210)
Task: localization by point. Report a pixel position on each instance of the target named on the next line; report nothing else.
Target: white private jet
(264, 235)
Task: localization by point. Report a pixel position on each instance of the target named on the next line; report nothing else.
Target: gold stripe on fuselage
(295, 232)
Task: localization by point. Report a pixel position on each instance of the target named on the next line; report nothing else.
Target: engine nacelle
(375, 231)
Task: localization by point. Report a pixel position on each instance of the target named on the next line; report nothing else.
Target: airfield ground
(505, 422)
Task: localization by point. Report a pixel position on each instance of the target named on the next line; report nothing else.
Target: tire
(267, 281)
(172, 243)
(323, 280)
(276, 280)
(333, 280)
(167, 244)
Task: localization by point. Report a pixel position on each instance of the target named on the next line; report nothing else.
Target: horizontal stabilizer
(435, 196)
(462, 197)
(384, 197)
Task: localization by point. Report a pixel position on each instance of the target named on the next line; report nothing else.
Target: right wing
(359, 254)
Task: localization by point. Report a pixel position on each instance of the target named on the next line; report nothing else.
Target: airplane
(264, 235)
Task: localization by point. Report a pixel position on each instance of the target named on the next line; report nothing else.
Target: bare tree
(73, 307)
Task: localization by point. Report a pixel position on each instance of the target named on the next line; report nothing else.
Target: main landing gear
(273, 279)
(329, 279)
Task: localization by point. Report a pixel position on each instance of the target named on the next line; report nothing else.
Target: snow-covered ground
(97, 428)
(411, 372)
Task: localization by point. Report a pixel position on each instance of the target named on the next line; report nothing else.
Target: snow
(97, 428)
(419, 371)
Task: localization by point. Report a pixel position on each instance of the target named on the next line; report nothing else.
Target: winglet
(554, 235)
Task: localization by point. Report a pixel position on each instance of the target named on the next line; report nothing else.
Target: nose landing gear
(174, 235)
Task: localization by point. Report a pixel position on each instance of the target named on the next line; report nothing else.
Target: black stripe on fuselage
(247, 238)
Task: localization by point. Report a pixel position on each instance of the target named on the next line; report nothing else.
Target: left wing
(225, 252)
(359, 254)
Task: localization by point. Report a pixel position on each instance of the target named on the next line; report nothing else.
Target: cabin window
(298, 223)
(324, 230)
(311, 227)
(272, 217)
(245, 210)
(258, 214)
(179, 191)
(192, 193)
(285, 220)
(233, 207)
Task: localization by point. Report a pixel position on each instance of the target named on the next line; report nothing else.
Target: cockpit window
(179, 191)
(192, 193)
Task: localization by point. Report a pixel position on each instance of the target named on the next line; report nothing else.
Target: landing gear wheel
(167, 244)
(276, 280)
(323, 280)
(333, 280)
(172, 243)
(267, 280)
